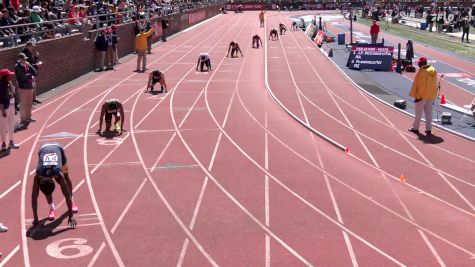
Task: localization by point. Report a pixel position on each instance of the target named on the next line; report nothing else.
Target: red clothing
(72, 16)
(374, 28)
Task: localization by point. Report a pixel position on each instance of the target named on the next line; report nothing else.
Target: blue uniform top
(51, 159)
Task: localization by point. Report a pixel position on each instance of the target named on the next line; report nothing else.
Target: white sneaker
(3, 228)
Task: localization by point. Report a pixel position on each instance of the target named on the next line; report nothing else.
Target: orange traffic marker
(442, 100)
(402, 178)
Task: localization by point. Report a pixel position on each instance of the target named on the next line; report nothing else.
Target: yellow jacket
(425, 83)
(141, 40)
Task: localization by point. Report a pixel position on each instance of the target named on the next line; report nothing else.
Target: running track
(216, 173)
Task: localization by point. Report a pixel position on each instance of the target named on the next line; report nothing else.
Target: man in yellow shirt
(424, 90)
(141, 47)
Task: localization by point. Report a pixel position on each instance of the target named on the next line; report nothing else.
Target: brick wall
(65, 59)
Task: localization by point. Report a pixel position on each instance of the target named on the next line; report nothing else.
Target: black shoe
(37, 101)
(428, 132)
(414, 131)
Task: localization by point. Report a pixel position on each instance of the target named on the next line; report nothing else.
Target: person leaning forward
(141, 47)
(424, 91)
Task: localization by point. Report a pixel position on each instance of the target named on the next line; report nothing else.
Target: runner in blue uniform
(52, 165)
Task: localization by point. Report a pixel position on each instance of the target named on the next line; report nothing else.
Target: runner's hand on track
(35, 222)
(72, 223)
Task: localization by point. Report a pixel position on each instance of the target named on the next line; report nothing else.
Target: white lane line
(26, 140)
(26, 256)
(471, 254)
(182, 253)
(96, 256)
(154, 166)
(98, 165)
(362, 143)
(122, 215)
(266, 179)
(9, 256)
(160, 194)
(317, 152)
(205, 182)
(210, 176)
(10, 189)
(76, 109)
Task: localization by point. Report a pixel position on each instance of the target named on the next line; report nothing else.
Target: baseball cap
(422, 60)
(22, 55)
(6, 72)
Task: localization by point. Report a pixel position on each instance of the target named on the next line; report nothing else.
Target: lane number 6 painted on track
(56, 248)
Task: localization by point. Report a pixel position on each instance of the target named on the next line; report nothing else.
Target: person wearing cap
(234, 48)
(7, 109)
(52, 166)
(204, 59)
(32, 55)
(111, 41)
(424, 91)
(141, 47)
(116, 50)
(374, 32)
(101, 46)
(24, 74)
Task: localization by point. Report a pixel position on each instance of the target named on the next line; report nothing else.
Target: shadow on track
(43, 231)
(430, 139)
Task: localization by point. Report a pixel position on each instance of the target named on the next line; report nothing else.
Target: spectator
(440, 21)
(8, 33)
(141, 47)
(111, 40)
(374, 32)
(430, 20)
(116, 50)
(149, 38)
(465, 28)
(164, 28)
(424, 91)
(24, 75)
(7, 108)
(101, 46)
(33, 55)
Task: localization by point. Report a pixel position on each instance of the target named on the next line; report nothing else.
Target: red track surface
(216, 173)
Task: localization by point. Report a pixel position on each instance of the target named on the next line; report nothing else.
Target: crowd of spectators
(46, 19)
(444, 17)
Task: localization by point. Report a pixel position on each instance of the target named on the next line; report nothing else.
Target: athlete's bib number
(50, 159)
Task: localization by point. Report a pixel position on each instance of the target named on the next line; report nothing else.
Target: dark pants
(207, 63)
(465, 31)
(164, 35)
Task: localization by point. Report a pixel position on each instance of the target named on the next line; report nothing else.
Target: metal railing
(50, 29)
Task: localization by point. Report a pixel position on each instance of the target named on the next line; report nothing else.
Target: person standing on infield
(424, 91)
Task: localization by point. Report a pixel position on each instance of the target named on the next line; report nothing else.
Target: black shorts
(109, 117)
(154, 81)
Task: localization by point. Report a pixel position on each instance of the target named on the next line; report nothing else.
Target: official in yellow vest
(141, 47)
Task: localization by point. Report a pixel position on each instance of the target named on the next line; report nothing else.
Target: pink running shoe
(75, 208)
(51, 215)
